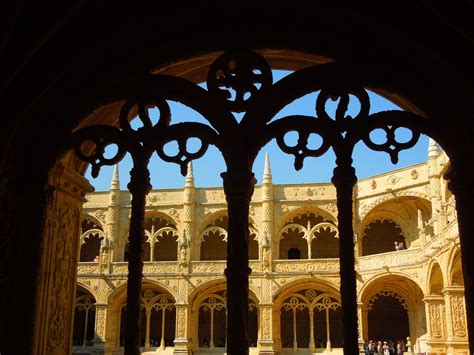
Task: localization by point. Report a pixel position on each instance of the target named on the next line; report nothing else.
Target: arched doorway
(388, 318)
(158, 320)
(210, 308)
(393, 308)
(84, 320)
(309, 319)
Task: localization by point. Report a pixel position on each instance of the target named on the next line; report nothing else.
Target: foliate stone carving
(435, 320)
(457, 311)
(373, 184)
(332, 266)
(405, 258)
(100, 215)
(100, 322)
(161, 268)
(331, 207)
(393, 179)
(414, 174)
(266, 323)
(181, 322)
(174, 213)
(87, 268)
(211, 267)
(61, 275)
(120, 268)
(151, 199)
(393, 294)
(284, 208)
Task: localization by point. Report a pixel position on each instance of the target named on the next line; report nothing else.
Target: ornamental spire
(433, 149)
(189, 175)
(115, 184)
(267, 173)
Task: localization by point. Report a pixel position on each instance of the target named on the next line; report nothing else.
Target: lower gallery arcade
(414, 295)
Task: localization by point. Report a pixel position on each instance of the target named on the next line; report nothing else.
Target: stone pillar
(365, 323)
(462, 187)
(113, 212)
(58, 267)
(100, 329)
(455, 313)
(265, 342)
(362, 324)
(344, 179)
(238, 187)
(434, 317)
(181, 341)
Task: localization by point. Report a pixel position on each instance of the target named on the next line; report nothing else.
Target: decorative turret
(267, 214)
(189, 176)
(433, 149)
(433, 175)
(189, 213)
(267, 173)
(115, 184)
(114, 209)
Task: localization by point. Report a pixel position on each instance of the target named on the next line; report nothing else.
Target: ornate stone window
(158, 320)
(91, 238)
(313, 235)
(306, 320)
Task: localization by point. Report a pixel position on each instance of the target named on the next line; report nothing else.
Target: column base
(266, 347)
(182, 346)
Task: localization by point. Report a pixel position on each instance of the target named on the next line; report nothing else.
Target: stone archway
(309, 318)
(387, 318)
(392, 307)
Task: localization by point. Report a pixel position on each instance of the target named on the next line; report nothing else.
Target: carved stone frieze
(160, 268)
(208, 267)
(458, 316)
(305, 266)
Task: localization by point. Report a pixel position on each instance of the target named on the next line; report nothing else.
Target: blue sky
(208, 168)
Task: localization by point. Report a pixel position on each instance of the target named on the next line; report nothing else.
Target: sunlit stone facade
(415, 295)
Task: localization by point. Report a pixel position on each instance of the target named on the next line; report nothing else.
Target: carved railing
(305, 266)
(86, 268)
(412, 256)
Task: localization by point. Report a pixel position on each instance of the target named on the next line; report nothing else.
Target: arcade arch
(309, 316)
(392, 308)
(213, 239)
(158, 318)
(208, 317)
(308, 235)
(161, 238)
(92, 235)
(398, 219)
(84, 319)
